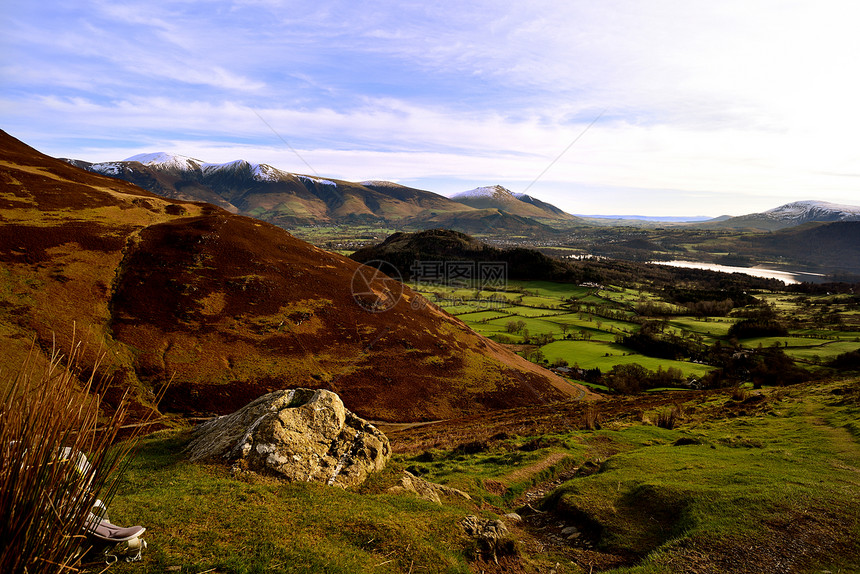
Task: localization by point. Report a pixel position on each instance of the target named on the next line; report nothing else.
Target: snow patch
(162, 160)
(379, 183)
(107, 168)
(317, 180)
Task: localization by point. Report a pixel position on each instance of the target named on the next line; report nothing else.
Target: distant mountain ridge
(287, 199)
(793, 214)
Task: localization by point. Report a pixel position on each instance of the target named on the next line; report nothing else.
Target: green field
(711, 328)
(602, 355)
(585, 323)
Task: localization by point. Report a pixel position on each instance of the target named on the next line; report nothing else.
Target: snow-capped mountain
(796, 213)
(492, 192)
(162, 160)
(803, 211)
(498, 197)
(268, 193)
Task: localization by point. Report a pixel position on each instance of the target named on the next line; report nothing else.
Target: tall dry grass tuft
(669, 418)
(591, 417)
(740, 393)
(46, 420)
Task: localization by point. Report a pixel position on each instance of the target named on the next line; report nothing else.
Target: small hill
(445, 245)
(792, 214)
(226, 306)
(483, 222)
(520, 204)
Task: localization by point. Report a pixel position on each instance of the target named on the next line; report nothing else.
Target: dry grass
(740, 393)
(47, 420)
(591, 417)
(669, 418)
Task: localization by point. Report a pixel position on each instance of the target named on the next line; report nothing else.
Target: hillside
(227, 306)
(831, 248)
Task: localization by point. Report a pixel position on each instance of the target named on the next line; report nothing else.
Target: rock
(425, 489)
(491, 535)
(513, 517)
(299, 434)
(569, 530)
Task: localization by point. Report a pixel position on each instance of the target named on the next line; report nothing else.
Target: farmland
(584, 327)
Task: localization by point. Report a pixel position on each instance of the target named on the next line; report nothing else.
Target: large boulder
(299, 434)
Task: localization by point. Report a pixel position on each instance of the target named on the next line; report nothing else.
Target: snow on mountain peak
(259, 171)
(162, 160)
(813, 209)
(488, 192)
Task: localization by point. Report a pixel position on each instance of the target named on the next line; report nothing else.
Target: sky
(657, 107)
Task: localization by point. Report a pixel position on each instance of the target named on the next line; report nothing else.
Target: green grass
(756, 478)
(591, 354)
(199, 518)
(711, 327)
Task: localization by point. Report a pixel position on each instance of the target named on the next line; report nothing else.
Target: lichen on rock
(297, 434)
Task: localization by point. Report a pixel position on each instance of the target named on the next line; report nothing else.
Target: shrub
(47, 420)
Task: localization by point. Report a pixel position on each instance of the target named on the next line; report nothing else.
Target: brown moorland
(227, 306)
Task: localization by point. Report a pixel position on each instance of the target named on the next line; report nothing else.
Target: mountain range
(290, 200)
(226, 307)
(287, 199)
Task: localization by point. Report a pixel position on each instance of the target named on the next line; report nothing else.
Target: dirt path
(528, 471)
(394, 427)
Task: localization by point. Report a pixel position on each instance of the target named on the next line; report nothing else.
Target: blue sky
(702, 107)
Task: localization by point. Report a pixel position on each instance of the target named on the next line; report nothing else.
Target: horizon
(663, 109)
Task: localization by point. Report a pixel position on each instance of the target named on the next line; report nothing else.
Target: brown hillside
(228, 306)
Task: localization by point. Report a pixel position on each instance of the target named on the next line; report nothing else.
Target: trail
(528, 471)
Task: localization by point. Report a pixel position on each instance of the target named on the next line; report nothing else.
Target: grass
(783, 474)
(602, 355)
(199, 518)
(785, 479)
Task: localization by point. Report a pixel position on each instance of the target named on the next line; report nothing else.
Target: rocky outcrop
(425, 489)
(298, 434)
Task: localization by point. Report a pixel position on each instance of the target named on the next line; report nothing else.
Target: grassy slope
(772, 485)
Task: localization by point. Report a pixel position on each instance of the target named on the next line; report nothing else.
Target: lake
(789, 277)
